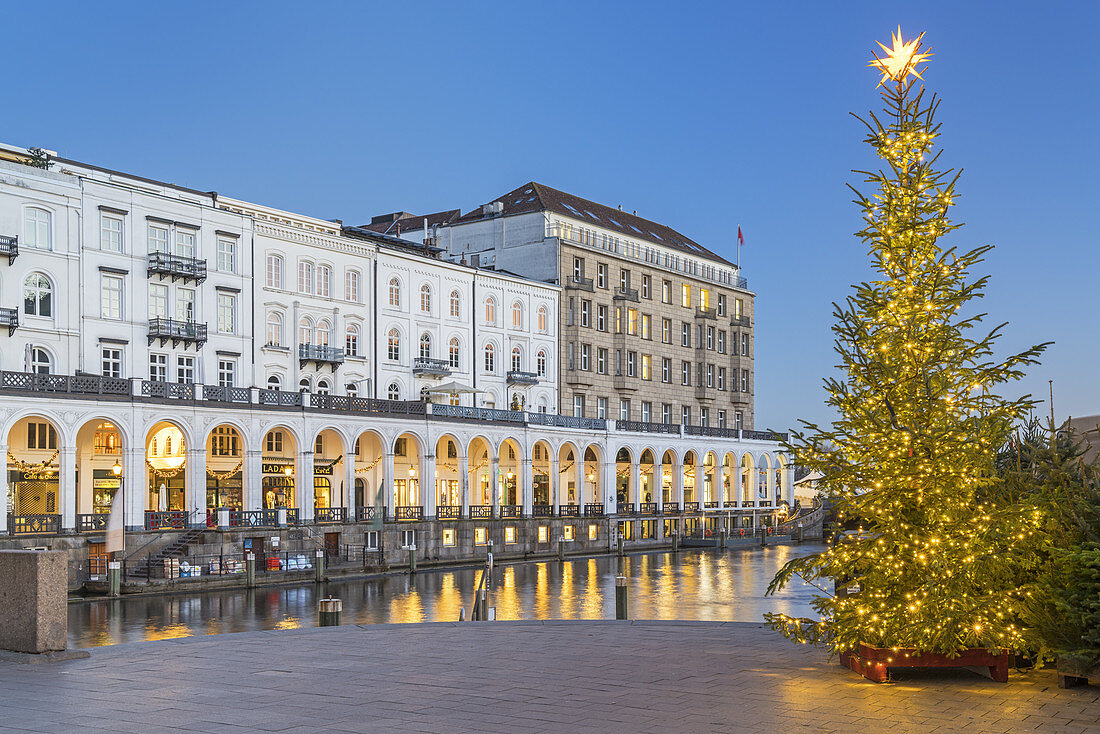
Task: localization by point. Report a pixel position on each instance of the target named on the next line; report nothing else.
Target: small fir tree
(38, 158)
(912, 454)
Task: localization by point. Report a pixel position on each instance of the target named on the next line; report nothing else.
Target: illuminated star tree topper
(901, 60)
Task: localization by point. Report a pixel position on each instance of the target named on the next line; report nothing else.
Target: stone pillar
(349, 485)
(303, 486)
(525, 478)
(659, 486)
(464, 483)
(678, 483)
(723, 474)
(555, 484)
(135, 487)
(429, 492)
(4, 493)
(607, 487)
(196, 486)
(387, 485)
(494, 484)
(735, 486)
(635, 487)
(252, 480)
(66, 486)
(578, 492)
(788, 481)
(33, 617)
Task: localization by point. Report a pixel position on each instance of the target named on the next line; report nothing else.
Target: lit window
(490, 311)
(448, 537)
(510, 534)
(517, 315)
(481, 536)
(685, 296)
(543, 319)
(567, 532)
(593, 532)
(544, 534)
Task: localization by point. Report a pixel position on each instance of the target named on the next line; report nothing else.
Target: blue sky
(700, 116)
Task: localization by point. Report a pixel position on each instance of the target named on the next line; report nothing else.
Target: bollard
(763, 537)
(561, 548)
(250, 570)
(114, 578)
(462, 614)
(331, 611)
(482, 605)
(675, 542)
(319, 566)
(800, 531)
(620, 597)
(722, 538)
(412, 559)
(620, 545)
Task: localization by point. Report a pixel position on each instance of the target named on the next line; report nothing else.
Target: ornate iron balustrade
(710, 431)
(742, 282)
(748, 503)
(330, 515)
(672, 508)
(643, 427)
(9, 317)
(176, 266)
(542, 510)
(624, 508)
(170, 390)
(79, 384)
(319, 354)
(218, 394)
(764, 436)
(566, 421)
(369, 513)
(9, 245)
(648, 508)
(292, 517)
(593, 509)
(706, 313)
(165, 519)
(189, 332)
(428, 366)
(280, 397)
(519, 377)
(626, 294)
(448, 512)
(34, 524)
(478, 414)
(481, 512)
(409, 513)
(575, 282)
(92, 523)
(711, 505)
(253, 518)
(569, 511)
(691, 507)
(511, 512)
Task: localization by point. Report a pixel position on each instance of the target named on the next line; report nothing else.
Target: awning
(453, 388)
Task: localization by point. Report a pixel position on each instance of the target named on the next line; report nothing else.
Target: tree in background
(912, 454)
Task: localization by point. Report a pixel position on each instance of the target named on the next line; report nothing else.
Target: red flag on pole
(740, 237)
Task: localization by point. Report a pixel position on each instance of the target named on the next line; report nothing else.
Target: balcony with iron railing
(626, 294)
(9, 247)
(319, 354)
(706, 313)
(177, 266)
(742, 320)
(577, 283)
(431, 367)
(188, 332)
(519, 377)
(9, 317)
(645, 427)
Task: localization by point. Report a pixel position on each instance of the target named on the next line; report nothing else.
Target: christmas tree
(941, 555)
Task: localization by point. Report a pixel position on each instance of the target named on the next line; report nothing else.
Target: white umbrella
(454, 388)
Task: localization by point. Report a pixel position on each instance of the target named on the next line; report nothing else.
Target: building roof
(398, 222)
(536, 197)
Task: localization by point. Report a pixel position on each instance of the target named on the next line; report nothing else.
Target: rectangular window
(685, 373)
(685, 335)
(408, 538)
(601, 361)
(185, 369)
(721, 378)
(624, 410)
(370, 539)
(185, 243)
(632, 321)
(510, 535)
(744, 380)
(685, 295)
(572, 310)
(578, 268)
(738, 419)
(710, 337)
(601, 407)
(305, 277)
(185, 304)
(744, 343)
(645, 326)
(721, 305)
(666, 413)
(601, 275)
(448, 537)
(110, 233)
(666, 370)
(544, 534)
(481, 536)
(601, 318)
(274, 271)
(721, 342)
(647, 410)
(586, 307)
(585, 356)
(227, 313)
(704, 298)
(618, 361)
(568, 533)
(630, 360)
(578, 406)
(351, 286)
(593, 532)
(112, 362)
(666, 331)
(158, 367)
(158, 239)
(685, 415)
(41, 436)
(645, 286)
(738, 307)
(572, 350)
(721, 419)
(227, 373)
(704, 417)
(227, 254)
(710, 375)
(666, 292)
(618, 320)
(110, 298)
(158, 301)
(274, 442)
(646, 364)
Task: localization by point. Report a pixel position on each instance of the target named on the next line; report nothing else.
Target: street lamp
(117, 469)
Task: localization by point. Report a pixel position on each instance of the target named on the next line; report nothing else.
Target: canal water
(693, 584)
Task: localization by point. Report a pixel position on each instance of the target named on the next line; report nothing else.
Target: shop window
(448, 537)
(593, 532)
(544, 534)
(626, 530)
(567, 532)
(510, 534)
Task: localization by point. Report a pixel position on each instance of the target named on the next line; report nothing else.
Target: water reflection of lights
(708, 585)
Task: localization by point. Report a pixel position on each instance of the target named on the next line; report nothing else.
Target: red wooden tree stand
(874, 663)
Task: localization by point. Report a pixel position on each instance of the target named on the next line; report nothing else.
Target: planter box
(1073, 673)
(874, 663)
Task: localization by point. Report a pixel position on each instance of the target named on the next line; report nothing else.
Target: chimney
(620, 207)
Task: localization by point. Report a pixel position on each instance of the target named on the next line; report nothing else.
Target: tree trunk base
(874, 663)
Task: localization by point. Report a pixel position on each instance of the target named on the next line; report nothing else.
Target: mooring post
(722, 537)
(250, 570)
(675, 542)
(114, 578)
(412, 559)
(763, 537)
(561, 548)
(331, 611)
(619, 545)
(620, 597)
(319, 566)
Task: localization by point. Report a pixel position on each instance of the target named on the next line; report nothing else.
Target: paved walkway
(515, 677)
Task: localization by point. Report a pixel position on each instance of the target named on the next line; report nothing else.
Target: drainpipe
(473, 336)
(374, 329)
(81, 261)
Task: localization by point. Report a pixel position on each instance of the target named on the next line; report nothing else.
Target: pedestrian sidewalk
(515, 677)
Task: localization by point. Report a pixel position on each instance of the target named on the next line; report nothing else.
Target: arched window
(274, 383)
(425, 346)
(324, 281)
(303, 384)
(490, 362)
(393, 392)
(351, 286)
(274, 329)
(305, 276)
(351, 340)
(426, 298)
(517, 360)
(351, 390)
(36, 228)
(517, 315)
(395, 292)
(274, 271)
(456, 304)
(452, 352)
(305, 331)
(40, 361)
(490, 310)
(37, 295)
(322, 388)
(544, 317)
(323, 332)
(394, 345)
(540, 363)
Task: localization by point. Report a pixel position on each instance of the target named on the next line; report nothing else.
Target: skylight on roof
(567, 206)
(590, 214)
(635, 229)
(614, 222)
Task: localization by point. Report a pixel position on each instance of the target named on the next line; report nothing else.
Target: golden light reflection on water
(693, 584)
